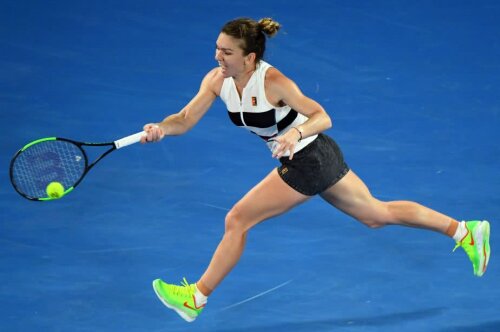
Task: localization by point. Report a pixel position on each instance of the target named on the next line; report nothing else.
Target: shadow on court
(355, 322)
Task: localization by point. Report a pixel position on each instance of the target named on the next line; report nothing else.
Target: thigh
(269, 198)
(353, 197)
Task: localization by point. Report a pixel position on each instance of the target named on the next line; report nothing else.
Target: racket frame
(79, 145)
(118, 144)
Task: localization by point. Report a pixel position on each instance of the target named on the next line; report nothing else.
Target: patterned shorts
(315, 168)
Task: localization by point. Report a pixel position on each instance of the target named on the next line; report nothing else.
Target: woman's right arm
(179, 123)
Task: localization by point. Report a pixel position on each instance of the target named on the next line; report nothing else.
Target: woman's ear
(250, 58)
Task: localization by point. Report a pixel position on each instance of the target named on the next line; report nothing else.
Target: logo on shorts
(283, 170)
(254, 101)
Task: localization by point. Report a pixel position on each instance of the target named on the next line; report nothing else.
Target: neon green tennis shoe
(476, 244)
(181, 299)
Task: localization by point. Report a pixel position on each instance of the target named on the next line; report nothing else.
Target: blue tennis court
(413, 89)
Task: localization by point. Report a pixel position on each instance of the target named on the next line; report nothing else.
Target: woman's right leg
(271, 197)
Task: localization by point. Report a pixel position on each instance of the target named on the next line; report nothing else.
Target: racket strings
(46, 162)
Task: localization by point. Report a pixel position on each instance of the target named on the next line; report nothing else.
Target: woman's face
(229, 55)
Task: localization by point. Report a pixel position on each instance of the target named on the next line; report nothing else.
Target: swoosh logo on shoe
(186, 304)
(471, 239)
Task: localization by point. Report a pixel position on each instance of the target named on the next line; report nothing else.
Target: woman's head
(251, 34)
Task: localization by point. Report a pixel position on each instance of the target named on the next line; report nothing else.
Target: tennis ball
(55, 190)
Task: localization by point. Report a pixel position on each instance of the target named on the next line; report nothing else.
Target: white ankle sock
(461, 232)
(200, 298)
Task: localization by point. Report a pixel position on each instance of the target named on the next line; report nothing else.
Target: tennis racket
(55, 159)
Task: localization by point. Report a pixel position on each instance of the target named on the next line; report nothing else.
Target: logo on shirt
(254, 101)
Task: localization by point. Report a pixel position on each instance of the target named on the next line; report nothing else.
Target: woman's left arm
(281, 89)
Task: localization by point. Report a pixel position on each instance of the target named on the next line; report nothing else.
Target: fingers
(153, 133)
(282, 146)
(285, 143)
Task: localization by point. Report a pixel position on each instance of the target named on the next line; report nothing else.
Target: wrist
(300, 133)
(161, 127)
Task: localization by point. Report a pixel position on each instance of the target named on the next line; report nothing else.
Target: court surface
(413, 90)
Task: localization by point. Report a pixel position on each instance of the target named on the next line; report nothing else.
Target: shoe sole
(486, 245)
(482, 236)
(181, 313)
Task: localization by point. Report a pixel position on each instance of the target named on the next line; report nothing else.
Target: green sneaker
(476, 244)
(179, 298)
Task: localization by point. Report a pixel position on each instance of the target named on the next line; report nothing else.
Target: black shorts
(315, 168)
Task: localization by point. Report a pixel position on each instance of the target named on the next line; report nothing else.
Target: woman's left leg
(351, 196)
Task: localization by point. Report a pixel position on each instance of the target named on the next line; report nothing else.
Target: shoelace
(468, 249)
(184, 289)
(459, 244)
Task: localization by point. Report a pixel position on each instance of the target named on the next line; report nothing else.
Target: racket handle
(132, 139)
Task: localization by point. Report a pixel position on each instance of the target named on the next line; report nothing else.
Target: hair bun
(269, 26)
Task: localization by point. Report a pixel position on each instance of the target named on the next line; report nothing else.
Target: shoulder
(276, 83)
(213, 80)
(274, 76)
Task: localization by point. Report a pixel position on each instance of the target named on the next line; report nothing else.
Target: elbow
(328, 122)
(325, 119)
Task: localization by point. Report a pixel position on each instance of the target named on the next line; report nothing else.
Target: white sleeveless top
(254, 112)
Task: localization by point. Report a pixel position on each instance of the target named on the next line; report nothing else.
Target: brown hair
(252, 33)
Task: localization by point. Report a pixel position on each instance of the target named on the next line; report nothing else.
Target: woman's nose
(218, 55)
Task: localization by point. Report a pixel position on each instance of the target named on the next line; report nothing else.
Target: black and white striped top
(254, 112)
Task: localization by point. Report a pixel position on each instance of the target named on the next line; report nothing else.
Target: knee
(372, 223)
(234, 222)
(378, 217)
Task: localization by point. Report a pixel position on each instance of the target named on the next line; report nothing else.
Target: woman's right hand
(154, 133)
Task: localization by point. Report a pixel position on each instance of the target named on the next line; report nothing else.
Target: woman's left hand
(286, 142)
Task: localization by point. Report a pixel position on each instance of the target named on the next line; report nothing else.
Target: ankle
(203, 289)
(460, 232)
(452, 227)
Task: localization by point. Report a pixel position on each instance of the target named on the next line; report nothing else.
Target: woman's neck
(242, 79)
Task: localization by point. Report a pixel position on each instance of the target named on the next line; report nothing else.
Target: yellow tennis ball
(55, 190)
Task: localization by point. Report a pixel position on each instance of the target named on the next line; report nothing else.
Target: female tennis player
(264, 101)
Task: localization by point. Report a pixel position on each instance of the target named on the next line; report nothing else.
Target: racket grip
(132, 139)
